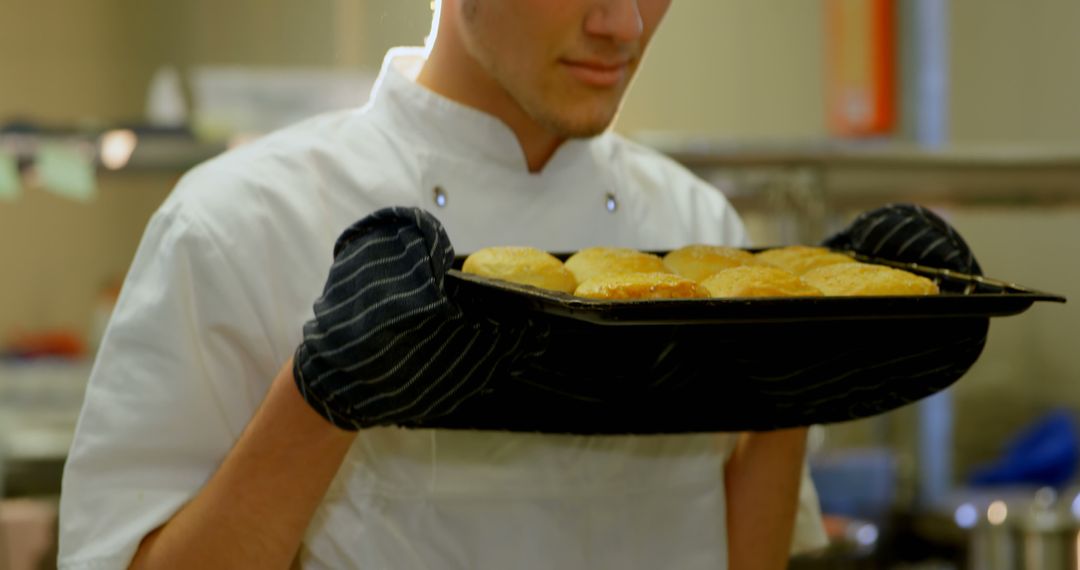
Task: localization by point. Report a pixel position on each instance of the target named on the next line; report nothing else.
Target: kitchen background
(987, 132)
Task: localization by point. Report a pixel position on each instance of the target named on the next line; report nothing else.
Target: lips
(602, 74)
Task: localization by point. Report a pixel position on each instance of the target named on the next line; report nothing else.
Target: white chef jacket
(226, 275)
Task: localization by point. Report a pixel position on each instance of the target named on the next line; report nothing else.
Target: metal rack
(807, 188)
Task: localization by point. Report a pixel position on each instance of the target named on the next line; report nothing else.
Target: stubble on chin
(567, 117)
(567, 127)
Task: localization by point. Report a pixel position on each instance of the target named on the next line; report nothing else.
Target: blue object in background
(1045, 453)
(857, 483)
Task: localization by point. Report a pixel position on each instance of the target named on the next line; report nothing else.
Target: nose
(619, 20)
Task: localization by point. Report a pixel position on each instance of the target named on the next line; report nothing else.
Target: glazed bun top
(758, 281)
(847, 279)
(596, 261)
(799, 259)
(698, 261)
(524, 265)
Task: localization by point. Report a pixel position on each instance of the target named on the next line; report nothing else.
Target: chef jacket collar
(451, 127)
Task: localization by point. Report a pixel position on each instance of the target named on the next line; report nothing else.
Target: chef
(198, 445)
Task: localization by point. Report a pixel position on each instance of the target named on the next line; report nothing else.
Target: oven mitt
(907, 233)
(387, 345)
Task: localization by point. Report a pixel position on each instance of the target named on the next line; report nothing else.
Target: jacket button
(610, 203)
(439, 195)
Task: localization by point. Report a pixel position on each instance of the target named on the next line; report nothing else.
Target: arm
(386, 346)
(254, 510)
(762, 483)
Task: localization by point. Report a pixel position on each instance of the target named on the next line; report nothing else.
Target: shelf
(152, 151)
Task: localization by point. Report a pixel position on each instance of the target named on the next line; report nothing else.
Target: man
(196, 449)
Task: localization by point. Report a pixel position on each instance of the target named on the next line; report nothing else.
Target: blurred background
(803, 112)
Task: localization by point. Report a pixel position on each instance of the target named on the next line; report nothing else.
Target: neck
(453, 73)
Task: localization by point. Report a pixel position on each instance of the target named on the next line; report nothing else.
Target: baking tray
(721, 365)
(962, 295)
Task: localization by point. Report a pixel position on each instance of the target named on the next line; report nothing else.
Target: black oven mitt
(907, 233)
(387, 344)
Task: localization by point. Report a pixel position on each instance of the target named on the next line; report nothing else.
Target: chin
(584, 124)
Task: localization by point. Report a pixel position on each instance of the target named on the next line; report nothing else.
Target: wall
(733, 69)
(51, 50)
(390, 23)
(59, 255)
(72, 63)
(1014, 71)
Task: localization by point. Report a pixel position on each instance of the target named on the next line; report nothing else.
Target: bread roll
(627, 286)
(866, 279)
(758, 281)
(524, 265)
(700, 261)
(799, 259)
(596, 261)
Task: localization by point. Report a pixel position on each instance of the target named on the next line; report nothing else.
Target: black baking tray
(721, 365)
(961, 295)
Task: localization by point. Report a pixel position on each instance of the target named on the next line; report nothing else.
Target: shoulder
(663, 187)
(654, 169)
(310, 177)
(332, 153)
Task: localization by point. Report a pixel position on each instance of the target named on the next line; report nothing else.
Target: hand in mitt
(907, 233)
(387, 345)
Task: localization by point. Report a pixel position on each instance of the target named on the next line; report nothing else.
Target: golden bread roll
(626, 286)
(847, 279)
(758, 281)
(595, 261)
(780, 255)
(700, 261)
(525, 265)
(799, 259)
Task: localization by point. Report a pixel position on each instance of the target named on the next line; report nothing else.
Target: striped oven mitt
(387, 345)
(907, 233)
